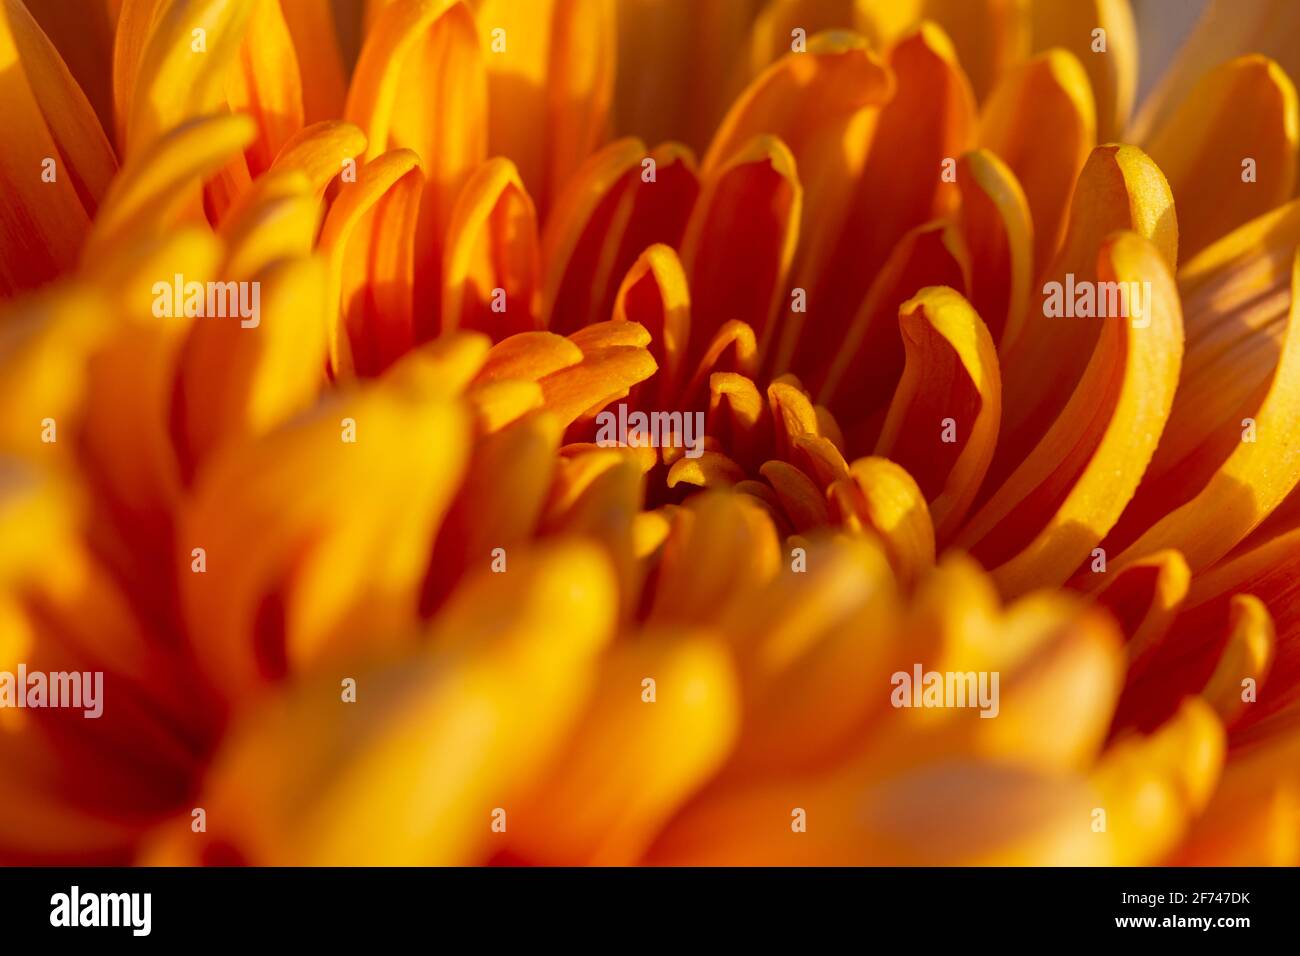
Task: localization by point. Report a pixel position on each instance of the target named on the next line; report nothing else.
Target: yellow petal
(631, 763)
(265, 83)
(389, 186)
(236, 382)
(420, 84)
(1256, 477)
(1242, 111)
(1145, 597)
(1110, 57)
(654, 294)
(321, 152)
(320, 62)
(884, 499)
(1068, 493)
(1042, 122)
(263, 615)
(180, 74)
(492, 245)
(1247, 656)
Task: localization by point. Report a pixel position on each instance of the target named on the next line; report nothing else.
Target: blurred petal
(1112, 70)
(1243, 109)
(631, 763)
(44, 222)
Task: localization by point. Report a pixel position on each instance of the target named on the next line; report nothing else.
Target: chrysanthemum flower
(365, 587)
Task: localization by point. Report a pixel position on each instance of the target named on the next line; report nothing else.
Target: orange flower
(366, 584)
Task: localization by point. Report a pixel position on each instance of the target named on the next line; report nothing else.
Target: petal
(295, 600)
(802, 95)
(551, 86)
(44, 222)
(866, 360)
(1112, 67)
(602, 376)
(160, 186)
(492, 245)
(1247, 656)
(265, 83)
(420, 84)
(721, 549)
(598, 786)
(655, 295)
(951, 376)
(1145, 598)
(462, 728)
(321, 151)
(1069, 491)
(1041, 122)
(803, 502)
(930, 118)
(620, 201)
(991, 36)
(174, 73)
(1118, 189)
(998, 233)
(1243, 109)
(882, 498)
(236, 383)
(741, 240)
(374, 213)
(320, 61)
(1255, 478)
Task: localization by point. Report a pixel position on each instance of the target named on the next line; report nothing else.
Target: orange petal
(420, 84)
(1256, 477)
(1242, 110)
(490, 270)
(680, 736)
(1067, 494)
(53, 131)
(1145, 597)
(372, 297)
(882, 498)
(320, 61)
(930, 118)
(321, 151)
(951, 377)
(266, 84)
(655, 295)
(1112, 70)
(1118, 189)
(998, 232)
(1042, 122)
(741, 240)
(300, 601)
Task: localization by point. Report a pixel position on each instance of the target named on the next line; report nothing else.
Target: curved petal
(998, 233)
(490, 270)
(420, 84)
(654, 294)
(951, 376)
(1242, 110)
(883, 499)
(741, 240)
(1256, 477)
(44, 221)
(1042, 122)
(1112, 70)
(1069, 491)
